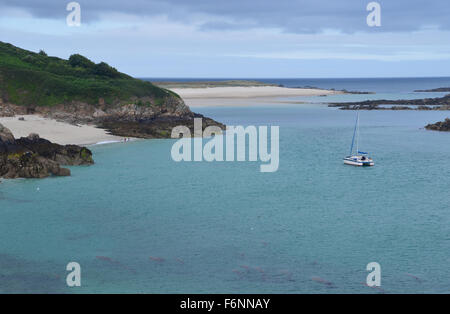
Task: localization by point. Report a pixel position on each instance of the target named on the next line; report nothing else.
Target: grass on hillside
(35, 79)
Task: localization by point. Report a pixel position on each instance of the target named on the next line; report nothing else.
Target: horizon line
(278, 78)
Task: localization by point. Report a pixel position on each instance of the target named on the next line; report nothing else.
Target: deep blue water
(137, 221)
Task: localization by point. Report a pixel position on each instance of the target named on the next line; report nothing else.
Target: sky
(240, 38)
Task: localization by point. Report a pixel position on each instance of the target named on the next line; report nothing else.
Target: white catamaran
(360, 158)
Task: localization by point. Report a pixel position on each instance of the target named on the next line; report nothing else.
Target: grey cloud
(296, 16)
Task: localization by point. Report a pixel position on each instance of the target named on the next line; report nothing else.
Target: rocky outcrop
(6, 136)
(342, 91)
(136, 109)
(439, 126)
(440, 103)
(33, 157)
(142, 121)
(160, 127)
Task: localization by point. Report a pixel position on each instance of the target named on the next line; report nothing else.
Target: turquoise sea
(137, 221)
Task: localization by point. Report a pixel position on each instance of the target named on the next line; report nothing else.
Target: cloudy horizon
(240, 39)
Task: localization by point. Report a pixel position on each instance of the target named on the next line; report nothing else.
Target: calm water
(226, 227)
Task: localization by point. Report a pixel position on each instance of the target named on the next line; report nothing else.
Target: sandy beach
(250, 92)
(57, 132)
(243, 96)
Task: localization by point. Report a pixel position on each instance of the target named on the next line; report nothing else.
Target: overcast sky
(240, 38)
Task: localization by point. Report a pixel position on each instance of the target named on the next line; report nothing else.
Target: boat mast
(354, 134)
(357, 134)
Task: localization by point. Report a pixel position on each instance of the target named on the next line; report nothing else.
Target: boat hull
(358, 163)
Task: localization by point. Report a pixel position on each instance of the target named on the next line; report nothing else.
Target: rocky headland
(78, 91)
(439, 126)
(34, 157)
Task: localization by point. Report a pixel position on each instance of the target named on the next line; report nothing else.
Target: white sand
(244, 96)
(249, 92)
(57, 132)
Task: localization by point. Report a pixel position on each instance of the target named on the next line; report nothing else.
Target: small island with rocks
(440, 103)
(439, 126)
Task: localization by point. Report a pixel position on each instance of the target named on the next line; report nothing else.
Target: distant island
(342, 91)
(208, 84)
(434, 90)
(440, 103)
(79, 91)
(241, 83)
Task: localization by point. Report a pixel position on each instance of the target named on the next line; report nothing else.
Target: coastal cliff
(78, 91)
(34, 157)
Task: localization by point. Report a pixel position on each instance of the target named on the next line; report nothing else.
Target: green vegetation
(86, 155)
(15, 156)
(35, 79)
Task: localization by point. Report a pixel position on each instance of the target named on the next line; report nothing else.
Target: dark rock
(356, 92)
(440, 103)
(154, 128)
(6, 137)
(439, 126)
(68, 155)
(33, 137)
(29, 165)
(33, 157)
(63, 172)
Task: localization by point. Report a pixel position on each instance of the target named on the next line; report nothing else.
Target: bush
(103, 69)
(78, 60)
